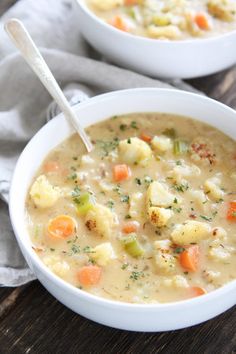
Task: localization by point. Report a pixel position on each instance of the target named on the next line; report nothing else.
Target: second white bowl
(158, 58)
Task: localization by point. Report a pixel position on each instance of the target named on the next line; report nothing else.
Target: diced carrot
(196, 291)
(61, 227)
(51, 166)
(89, 275)
(130, 226)
(119, 23)
(145, 137)
(202, 21)
(131, 2)
(189, 258)
(121, 173)
(231, 214)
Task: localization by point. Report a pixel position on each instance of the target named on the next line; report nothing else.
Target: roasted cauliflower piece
(159, 216)
(101, 220)
(190, 232)
(43, 193)
(134, 151)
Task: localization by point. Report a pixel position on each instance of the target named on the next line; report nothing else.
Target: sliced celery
(180, 147)
(132, 246)
(84, 202)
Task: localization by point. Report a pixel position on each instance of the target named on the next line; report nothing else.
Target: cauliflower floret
(158, 195)
(159, 216)
(162, 143)
(162, 245)
(199, 198)
(165, 262)
(189, 232)
(169, 32)
(220, 233)
(185, 171)
(134, 150)
(100, 219)
(86, 160)
(57, 266)
(212, 188)
(177, 281)
(43, 193)
(103, 253)
(136, 205)
(106, 5)
(219, 253)
(211, 276)
(225, 10)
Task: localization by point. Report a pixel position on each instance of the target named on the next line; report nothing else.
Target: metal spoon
(23, 41)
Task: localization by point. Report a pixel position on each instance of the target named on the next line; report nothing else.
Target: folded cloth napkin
(24, 101)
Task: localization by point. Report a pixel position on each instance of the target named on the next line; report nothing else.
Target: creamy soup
(168, 19)
(148, 216)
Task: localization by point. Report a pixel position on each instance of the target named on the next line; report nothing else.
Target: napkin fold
(24, 101)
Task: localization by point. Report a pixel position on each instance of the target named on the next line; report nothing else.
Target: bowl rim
(116, 304)
(146, 40)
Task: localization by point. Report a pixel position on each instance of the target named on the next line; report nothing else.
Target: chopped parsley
(88, 249)
(170, 132)
(123, 127)
(179, 250)
(206, 218)
(181, 187)
(124, 266)
(107, 146)
(110, 204)
(124, 198)
(134, 124)
(128, 141)
(138, 181)
(136, 275)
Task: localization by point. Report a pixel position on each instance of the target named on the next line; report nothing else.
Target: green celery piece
(132, 246)
(84, 203)
(180, 147)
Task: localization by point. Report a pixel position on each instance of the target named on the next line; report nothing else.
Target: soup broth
(168, 19)
(149, 216)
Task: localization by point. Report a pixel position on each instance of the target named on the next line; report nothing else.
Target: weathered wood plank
(40, 324)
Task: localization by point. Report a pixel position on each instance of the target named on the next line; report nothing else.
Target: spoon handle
(23, 41)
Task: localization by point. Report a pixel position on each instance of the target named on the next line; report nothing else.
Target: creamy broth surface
(148, 216)
(168, 19)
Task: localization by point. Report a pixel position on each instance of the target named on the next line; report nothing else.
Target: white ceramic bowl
(158, 58)
(138, 317)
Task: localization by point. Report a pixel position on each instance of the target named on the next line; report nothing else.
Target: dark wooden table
(32, 321)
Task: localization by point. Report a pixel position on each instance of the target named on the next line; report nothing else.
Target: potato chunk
(101, 220)
(158, 195)
(162, 143)
(43, 193)
(103, 253)
(189, 232)
(134, 150)
(159, 216)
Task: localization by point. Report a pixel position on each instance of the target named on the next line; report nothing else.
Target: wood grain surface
(32, 321)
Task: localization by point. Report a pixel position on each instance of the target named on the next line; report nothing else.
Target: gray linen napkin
(24, 101)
